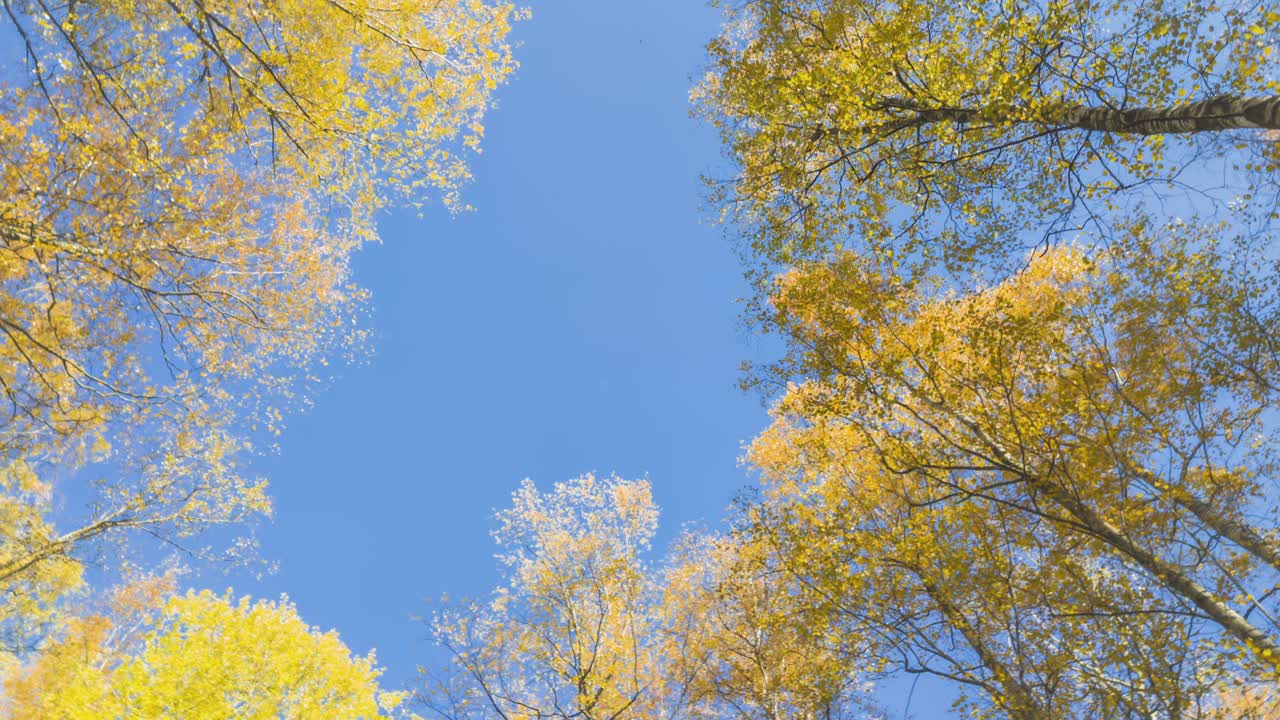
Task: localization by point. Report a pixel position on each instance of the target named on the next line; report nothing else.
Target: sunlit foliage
(1047, 476)
(1059, 491)
(572, 632)
(585, 627)
(155, 654)
(183, 186)
(937, 135)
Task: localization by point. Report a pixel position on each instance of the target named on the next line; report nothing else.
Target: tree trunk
(1015, 698)
(1242, 534)
(1167, 574)
(58, 546)
(1224, 112)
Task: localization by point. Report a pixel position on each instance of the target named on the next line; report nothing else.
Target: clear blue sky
(584, 318)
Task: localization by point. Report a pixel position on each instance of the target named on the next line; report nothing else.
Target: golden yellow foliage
(584, 627)
(744, 639)
(573, 631)
(198, 655)
(1058, 491)
(183, 186)
(940, 134)
(1248, 703)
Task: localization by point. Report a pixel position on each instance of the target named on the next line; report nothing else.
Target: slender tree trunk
(1018, 700)
(1171, 576)
(58, 546)
(1223, 112)
(1168, 574)
(1242, 534)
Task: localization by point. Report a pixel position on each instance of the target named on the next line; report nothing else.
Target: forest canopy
(184, 186)
(1021, 258)
(1014, 261)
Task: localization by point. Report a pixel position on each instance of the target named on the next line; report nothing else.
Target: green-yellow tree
(183, 186)
(157, 654)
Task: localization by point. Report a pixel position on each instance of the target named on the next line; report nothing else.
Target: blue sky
(583, 318)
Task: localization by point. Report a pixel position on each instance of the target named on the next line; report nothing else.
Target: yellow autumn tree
(183, 186)
(1048, 476)
(157, 654)
(1249, 703)
(939, 134)
(585, 627)
(573, 631)
(744, 640)
(1058, 491)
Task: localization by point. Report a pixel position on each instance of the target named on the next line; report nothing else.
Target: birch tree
(586, 626)
(1022, 259)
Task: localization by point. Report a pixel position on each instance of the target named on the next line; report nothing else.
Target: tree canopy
(942, 135)
(1022, 259)
(1070, 471)
(157, 654)
(586, 627)
(184, 185)
(1020, 255)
